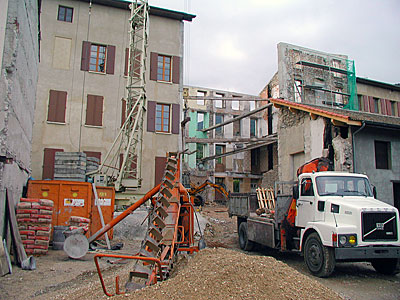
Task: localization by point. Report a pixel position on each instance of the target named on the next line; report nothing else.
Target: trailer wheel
(244, 242)
(387, 266)
(319, 259)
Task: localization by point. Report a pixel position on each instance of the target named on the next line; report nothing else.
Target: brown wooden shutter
(93, 154)
(98, 111)
(371, 104)
(123, 112)
(160, 162)
(175, 118)
(388, 107)
(52, 109)
(91, 101)
(61, 106)
(85, 56)
(398, 109)
(110, 59)
(365, 103)
(176, 69)
(49, 155)
(126, 61)
(153, 66)
(383, 106)
(151, 116)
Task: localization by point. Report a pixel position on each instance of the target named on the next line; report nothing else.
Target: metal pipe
(127, 212)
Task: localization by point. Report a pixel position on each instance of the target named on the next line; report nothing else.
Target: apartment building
(82, 83)
(228, 155)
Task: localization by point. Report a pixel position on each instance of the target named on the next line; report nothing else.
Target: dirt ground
(222, 271)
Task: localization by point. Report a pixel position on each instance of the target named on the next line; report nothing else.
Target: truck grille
(379, 226)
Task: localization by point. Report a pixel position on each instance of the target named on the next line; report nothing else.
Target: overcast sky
(232, 44)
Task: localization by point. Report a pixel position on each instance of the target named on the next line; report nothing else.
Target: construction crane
(121, 166)
(195, 190)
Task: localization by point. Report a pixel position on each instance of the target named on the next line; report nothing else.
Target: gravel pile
(218, 273)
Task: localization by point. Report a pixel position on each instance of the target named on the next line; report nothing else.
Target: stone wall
(19, 73)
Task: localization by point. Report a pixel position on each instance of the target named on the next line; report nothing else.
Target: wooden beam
(338, 123)
(293, 110)
(313, 116)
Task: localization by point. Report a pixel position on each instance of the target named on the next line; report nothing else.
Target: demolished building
(325, 110)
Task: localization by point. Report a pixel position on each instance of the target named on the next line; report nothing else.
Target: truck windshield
(343, 186)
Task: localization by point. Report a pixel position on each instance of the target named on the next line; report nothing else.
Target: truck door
(305, 203)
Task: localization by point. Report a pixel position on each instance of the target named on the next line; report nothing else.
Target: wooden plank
(16, 238)
(259, 197)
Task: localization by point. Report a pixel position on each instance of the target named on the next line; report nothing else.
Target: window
(164, 68)
(253, 127)
(200, 120)
(57, 105)
(94, 110)
(200, 152)
(382, 155)
(219, 149)
(219, 118)
(297, 90)
(236, 185)
(219, 103)
(253, 185)
(252, 105)
(235, 105)
(162, 117)
(270, 148)
(49, 155)
(393, 108)
(201, 94)
(376, 105)
(97, 58)
(65, 14)
(236, 128)
(307, 187)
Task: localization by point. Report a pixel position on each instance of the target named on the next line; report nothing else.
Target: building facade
(19, 58)
(82, 83)
(228, 155)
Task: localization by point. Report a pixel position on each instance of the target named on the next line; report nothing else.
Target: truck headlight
(347, 240)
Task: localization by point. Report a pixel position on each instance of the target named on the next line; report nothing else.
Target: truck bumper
(367, 253)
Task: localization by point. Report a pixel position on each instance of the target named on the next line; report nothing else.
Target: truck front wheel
(319, 259)
(244, 242)
(387, 266)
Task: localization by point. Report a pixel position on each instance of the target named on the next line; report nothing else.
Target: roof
(338, 116)
(153, 10)
(394, 87)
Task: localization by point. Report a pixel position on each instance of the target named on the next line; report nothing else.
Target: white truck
(336, 217)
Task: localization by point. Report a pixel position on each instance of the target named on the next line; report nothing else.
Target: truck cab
(340, 220)
(329, 216)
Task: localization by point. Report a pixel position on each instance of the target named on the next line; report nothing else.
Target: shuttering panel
(110, 59)
(57, 106)
(176, 67)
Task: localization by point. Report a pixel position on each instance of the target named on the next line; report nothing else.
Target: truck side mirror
(374, 191)
(296, 191)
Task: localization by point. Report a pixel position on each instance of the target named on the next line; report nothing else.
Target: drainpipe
(354, 148)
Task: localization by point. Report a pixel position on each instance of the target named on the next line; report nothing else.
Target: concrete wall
(3, 22)
(365, 159)
(18, 80)
(60, 70)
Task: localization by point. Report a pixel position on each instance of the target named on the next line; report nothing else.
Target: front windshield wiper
(357, 193)
(330, 194)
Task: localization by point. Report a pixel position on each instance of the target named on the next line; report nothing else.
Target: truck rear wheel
(319, 259)
(387, 266)
(244, 242)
